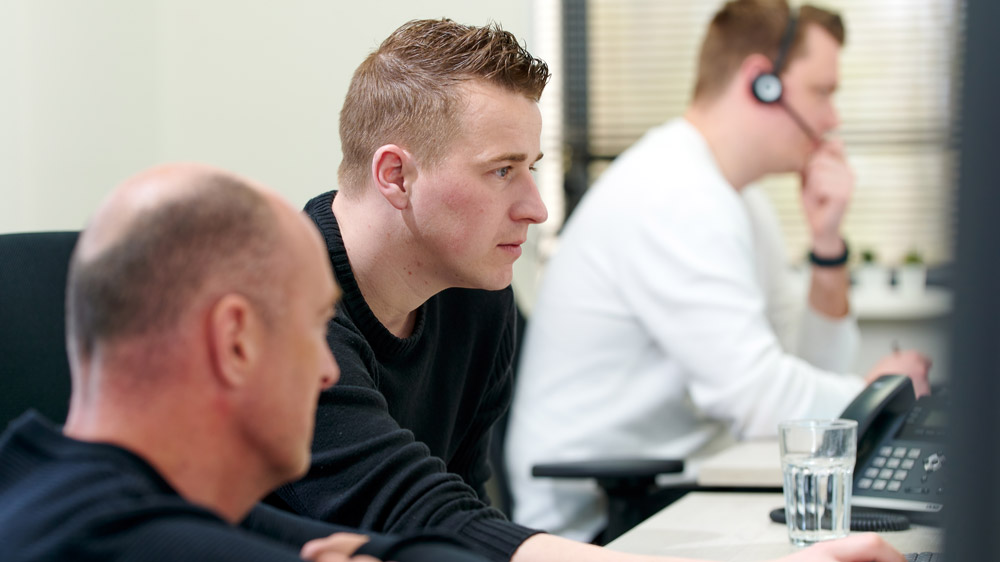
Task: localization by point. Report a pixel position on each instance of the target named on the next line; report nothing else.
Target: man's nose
(530, 207)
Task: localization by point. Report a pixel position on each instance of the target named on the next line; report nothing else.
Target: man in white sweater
(665, 317)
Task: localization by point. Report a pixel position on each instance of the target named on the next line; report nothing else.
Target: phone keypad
(900, 469)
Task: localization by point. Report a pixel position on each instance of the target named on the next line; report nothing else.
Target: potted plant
(911, 277)
(871, 276)
(868, 256)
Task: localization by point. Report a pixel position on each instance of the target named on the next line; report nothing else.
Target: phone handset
(891, 395)
(900, 449)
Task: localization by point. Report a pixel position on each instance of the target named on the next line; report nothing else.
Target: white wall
(92, 92)
(77, 107)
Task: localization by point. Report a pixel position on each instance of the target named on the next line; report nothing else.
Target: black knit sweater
(63, 499)
(401, 440)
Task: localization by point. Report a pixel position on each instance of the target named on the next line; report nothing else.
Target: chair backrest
(34, 369)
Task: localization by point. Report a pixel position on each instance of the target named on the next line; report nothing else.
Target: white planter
(872, 278)
(911, 279)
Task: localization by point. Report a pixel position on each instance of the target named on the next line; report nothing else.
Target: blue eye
(502, 172)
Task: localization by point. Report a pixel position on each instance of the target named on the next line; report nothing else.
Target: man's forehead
(818, 46)
(499, 126)
(818, 62)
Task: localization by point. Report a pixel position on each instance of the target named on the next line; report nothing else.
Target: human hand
(827, 185)
(337, 547)
(865, 547)
(910, 363)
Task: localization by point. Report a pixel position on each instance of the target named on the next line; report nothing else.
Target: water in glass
(817, 497)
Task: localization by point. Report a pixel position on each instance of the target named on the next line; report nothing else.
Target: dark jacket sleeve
(288, 528)
(368, 472)
(181, 536)
(295, 531)
(426, 547)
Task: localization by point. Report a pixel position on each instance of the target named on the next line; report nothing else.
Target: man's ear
(752, 67)
(392, 170)
(234, 334)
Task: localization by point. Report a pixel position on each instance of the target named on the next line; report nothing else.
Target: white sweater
(665, 316)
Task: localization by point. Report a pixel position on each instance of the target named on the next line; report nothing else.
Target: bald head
(165, 241)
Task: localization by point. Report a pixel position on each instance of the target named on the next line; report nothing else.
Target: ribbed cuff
(497, 539)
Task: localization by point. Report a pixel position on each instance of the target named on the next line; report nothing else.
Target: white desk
(735, 526)
(746, 464)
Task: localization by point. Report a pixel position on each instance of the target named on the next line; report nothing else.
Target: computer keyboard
(924, 557)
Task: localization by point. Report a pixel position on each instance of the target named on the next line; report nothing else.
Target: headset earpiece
(767, 88)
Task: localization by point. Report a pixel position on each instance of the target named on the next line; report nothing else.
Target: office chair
(34, 369)
(629, 484)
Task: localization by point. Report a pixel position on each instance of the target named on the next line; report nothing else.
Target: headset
(767, 86)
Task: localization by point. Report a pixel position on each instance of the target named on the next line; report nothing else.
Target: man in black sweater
(196, 313)
(440, 132)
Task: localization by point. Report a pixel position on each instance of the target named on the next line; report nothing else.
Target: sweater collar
(320, 209)
(34, 430)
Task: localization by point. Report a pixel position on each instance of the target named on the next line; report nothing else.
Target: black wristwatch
(830, 262)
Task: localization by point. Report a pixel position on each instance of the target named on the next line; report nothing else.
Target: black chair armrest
(618, 477)
(623, 469)
(628, 483)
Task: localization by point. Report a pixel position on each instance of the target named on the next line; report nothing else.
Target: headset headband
(786, 43)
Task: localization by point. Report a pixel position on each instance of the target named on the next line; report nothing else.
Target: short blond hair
(405, 92)
(745, 27)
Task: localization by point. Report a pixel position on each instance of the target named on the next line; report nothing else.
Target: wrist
(830, 255)
(828, 247)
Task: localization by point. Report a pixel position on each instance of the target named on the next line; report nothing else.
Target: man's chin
(296, 471)
(501, 282)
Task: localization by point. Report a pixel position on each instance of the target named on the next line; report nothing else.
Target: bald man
(197, 306)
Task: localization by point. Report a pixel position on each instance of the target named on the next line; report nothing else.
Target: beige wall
(91, 92)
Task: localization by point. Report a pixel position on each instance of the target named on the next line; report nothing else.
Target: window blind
(899, 81)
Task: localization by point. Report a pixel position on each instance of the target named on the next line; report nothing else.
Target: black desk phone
(901, 457)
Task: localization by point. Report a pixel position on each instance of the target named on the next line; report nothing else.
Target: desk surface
(889, 304)
(735, 526)
(746, 464)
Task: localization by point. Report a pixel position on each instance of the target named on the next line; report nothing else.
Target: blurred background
(92, 92)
